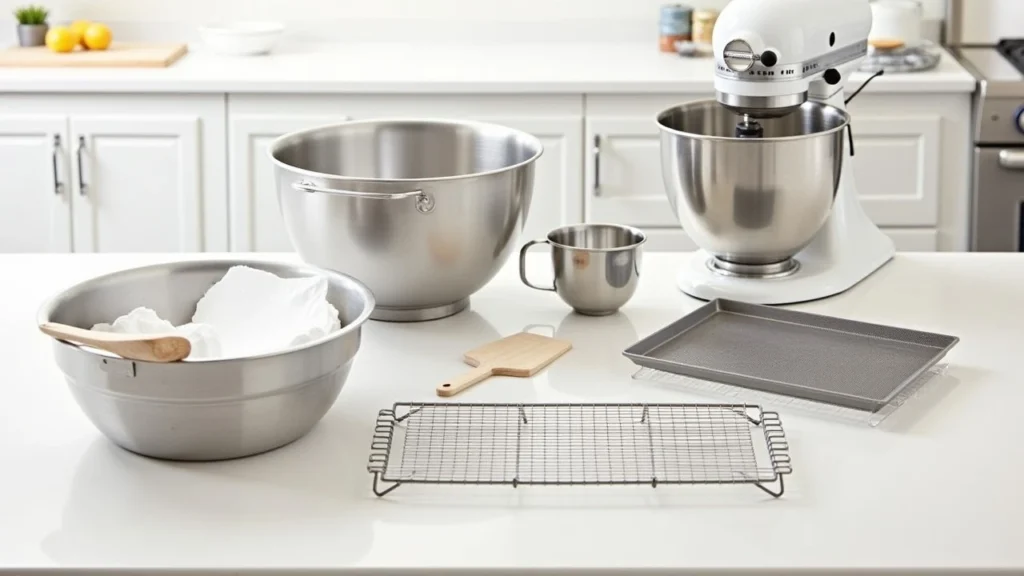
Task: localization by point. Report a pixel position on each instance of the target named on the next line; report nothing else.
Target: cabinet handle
(1011, 159)
(58, 186)
(82, 186)
(597, 165)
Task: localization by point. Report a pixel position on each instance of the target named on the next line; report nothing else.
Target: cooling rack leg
(776, 494)
(377, 483)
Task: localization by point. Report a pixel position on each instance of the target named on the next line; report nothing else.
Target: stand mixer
(773, 204)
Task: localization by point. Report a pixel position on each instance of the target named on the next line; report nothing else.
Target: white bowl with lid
(245, 38)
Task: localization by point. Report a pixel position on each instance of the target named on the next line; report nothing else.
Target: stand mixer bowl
(752, 203)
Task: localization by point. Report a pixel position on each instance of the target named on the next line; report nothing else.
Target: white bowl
(241, 38)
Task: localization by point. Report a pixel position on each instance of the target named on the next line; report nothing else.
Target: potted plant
(32, 26)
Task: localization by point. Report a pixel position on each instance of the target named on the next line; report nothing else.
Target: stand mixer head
(768, 53)
(760, 174)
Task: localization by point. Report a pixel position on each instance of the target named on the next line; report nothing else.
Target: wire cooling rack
(578, 444)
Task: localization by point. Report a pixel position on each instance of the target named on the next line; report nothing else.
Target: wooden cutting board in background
(118, 55)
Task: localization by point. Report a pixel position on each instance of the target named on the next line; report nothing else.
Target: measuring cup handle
(522, 266)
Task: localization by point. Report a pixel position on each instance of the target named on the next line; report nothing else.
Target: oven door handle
(1011, 159)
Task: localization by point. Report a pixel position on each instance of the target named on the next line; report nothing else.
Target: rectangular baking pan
(810, 356)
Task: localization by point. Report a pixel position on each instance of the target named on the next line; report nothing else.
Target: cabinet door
(557, 182)
(623, 173)
(897, 160)
(256, 222)
(35, 214)
(137, 184)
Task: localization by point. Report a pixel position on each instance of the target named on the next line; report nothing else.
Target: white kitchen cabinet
(256, 222)
(623, 172)
(137, 184)
(139, 173)
(35, 212)
(911, 165)
(255, 119)
(898, 165)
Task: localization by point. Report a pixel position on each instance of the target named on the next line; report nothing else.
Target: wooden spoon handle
(464, 380)
(144, 347)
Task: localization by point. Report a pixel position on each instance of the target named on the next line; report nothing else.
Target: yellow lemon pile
(90, 35)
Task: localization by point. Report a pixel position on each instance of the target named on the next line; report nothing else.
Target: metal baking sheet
(819, 358)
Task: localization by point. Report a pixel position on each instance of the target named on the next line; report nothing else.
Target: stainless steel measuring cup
(596, 266)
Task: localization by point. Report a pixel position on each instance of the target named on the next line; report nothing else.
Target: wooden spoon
(143, 347)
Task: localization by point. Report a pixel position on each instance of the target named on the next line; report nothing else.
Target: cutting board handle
(455, 385)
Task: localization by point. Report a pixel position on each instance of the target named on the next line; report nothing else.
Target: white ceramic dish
(241, 38)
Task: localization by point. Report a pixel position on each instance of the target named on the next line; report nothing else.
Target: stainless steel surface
(83, 188)
(420, 314)
(418, 265)
(751, 200)
(202, 409)
(596, 266)
(820, 358)
(32, 34)
(578, 444)
(997, 214)
(1011, 159)
(58, 186)
(996, 121)
(761, 106)
(997, 78)
(597, 165)
(774, 270)
(739, 56)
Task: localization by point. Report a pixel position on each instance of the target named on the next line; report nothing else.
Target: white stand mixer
(796, 40)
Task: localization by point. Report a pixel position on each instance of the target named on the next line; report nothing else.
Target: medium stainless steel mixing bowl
(202, 409)
(751, 201)
(425, 212)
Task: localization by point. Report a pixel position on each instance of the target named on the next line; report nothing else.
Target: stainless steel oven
(997, 195)
(997, 211)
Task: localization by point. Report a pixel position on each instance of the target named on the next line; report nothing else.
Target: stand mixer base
(814, 278)
(764, 271)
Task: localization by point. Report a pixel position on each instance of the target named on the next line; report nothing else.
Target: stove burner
(1013, 50)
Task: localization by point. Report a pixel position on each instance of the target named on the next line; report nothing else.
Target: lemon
(79, 27)
(97, 37)
(61, 39)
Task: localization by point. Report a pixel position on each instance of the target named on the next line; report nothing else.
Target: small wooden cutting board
(521, 355)
(118, 55)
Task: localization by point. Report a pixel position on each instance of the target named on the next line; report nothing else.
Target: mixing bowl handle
(424, 203)
(522, 266)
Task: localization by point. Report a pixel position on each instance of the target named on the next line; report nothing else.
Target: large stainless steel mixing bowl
(751, 201)
(425, 212)
(202, 409)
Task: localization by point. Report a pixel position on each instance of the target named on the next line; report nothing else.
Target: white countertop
(521, 67)
(936, 485)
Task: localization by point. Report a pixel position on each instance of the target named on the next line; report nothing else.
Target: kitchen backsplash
(496, 19)
(292, 10)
